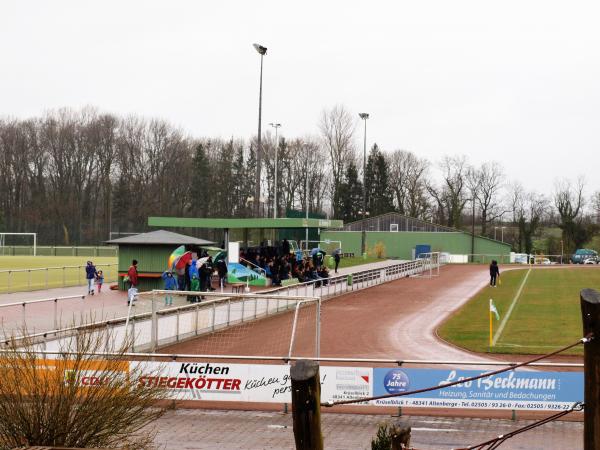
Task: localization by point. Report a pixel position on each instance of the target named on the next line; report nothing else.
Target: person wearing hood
(170, 285)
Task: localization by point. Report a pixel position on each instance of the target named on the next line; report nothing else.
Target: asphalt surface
(254, 430)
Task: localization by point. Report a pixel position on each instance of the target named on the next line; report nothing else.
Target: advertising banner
(509, 390)
(215, 381)
(247, 382)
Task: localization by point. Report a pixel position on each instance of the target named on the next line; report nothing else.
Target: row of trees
(74, 176)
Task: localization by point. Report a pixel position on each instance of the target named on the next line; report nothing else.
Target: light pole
(502, 233)
(306, 198)
(364, 116)
(473, 229)
(276, 126)
(262, 51)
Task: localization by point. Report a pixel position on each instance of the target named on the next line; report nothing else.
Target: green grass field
(545, 316)
(51, 278)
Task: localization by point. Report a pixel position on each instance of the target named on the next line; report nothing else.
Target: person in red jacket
(132, 273)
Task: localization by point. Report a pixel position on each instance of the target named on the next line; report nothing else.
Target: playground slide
(237, 273)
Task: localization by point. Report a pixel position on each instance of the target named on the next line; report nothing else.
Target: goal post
(3, 240)
(431, 264)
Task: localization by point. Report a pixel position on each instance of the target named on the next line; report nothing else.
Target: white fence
(44, 250)
(152, 330)
(148, 331)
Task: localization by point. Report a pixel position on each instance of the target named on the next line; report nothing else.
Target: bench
(290, 282)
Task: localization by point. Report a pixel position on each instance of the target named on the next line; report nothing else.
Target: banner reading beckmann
(509, 390)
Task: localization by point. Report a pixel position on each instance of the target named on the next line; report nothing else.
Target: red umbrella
(183, 260)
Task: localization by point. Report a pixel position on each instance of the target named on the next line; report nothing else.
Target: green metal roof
(160, 237)
(190, 222)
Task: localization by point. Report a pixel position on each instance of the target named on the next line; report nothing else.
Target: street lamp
(364, 116)
(262, 51)
(306, 199)
(472, 199)
(276, 126)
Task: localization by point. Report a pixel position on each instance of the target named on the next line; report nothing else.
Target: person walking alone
(90, 275)
(336, 258)
(132, 273)
(494, 273)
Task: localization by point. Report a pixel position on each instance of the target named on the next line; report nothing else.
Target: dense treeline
(74, 176)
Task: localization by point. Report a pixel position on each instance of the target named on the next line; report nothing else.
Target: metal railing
(18, 280)
(260, 269)
(150, 330)
(156, 328)
(341, 284)
(23, 306)
(286, 359)
(46, 250)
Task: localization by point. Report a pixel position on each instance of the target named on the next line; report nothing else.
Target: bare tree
(337, 132)
(451, 197)
(407, 180)
(595, 204)
(47, 402)
(569, 201)
(486, 184)
(310, 165)
(529, 211)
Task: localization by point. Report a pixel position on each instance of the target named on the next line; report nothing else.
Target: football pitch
(18, 280)
(544, 316)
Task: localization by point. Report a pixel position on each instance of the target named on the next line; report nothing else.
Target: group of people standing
(280, 264)
(195, 276)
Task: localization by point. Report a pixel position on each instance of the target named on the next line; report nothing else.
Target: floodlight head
(275, 125)
(364, 116)
(260, 49)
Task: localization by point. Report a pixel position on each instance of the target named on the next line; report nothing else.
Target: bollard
(590, 316)
(56, 314)
(306, 405)
(153, 328)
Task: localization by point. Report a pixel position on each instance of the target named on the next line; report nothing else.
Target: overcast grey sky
(514, 81)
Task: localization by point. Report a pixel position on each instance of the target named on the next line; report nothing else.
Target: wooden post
(590, 315)
(306, 405)
(400, 434)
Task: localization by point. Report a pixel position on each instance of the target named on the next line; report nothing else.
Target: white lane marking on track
(510, 309)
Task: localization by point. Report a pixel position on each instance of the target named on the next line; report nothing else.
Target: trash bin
(349, 280)
(330, 262)
(364, 255)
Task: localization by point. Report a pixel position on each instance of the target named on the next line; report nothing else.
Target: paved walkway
(229, 430)
(370, 266)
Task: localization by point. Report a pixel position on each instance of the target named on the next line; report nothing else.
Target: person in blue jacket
(170, 285)
(90, 275)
